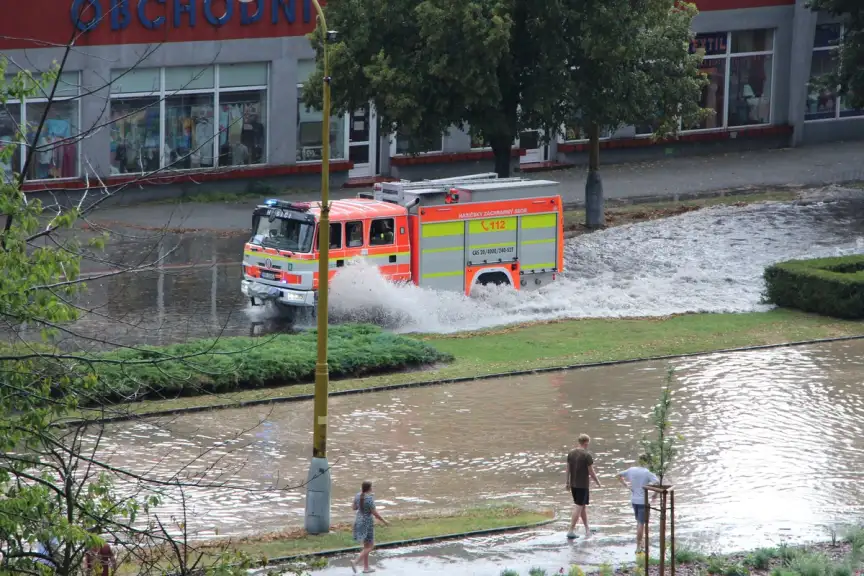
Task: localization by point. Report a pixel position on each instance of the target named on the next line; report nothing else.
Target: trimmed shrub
(827, 286)
(240, 363)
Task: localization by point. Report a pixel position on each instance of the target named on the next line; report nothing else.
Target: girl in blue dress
(364, 525)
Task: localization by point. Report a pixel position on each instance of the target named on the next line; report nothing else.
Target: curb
(459, 380)
(412, 542)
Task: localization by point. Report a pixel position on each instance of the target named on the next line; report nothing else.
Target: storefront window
(404, 145)
(750, 90)
(10, 122)
(134, 135)
(823, 103)
(578, 134)
(847, 111)
(182, 102)
(746, 41)
(242, 128)
(714, 94)
(55, 151)
(56, 154)
(189, 131)
(479, 141)
(821, 98)
(309, 126)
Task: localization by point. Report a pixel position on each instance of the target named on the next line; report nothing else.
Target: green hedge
(827, 286)
(226, 364)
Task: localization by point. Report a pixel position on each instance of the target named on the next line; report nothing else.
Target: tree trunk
(595, 216)
(502, 149)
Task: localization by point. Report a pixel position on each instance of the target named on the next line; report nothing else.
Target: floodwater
(709, 260)
(772, 447)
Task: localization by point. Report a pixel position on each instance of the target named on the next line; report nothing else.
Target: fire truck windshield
(285, 234)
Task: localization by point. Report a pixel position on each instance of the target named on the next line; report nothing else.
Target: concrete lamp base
(318, 497)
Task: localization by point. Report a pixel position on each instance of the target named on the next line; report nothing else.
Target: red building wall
(41, 23)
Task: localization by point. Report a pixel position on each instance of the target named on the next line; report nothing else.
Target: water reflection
(772, 442)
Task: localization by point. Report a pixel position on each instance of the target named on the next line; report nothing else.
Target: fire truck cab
(449, 234)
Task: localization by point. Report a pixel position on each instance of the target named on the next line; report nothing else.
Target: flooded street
(772, 447)
(709, 260)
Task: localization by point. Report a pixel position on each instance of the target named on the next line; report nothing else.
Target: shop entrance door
(362, 137)
(532, 142)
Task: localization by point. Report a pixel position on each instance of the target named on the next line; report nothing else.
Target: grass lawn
(565, 343)
(297, 543)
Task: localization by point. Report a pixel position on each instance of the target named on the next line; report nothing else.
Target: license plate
(268, 275)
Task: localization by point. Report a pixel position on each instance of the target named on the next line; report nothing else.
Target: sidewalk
(806, 166)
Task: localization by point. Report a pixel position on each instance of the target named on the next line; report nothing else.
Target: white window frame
(23, 146)
(838, 98)
(162, 95)
(393, 153)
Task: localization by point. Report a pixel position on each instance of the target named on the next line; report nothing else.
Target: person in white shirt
(636, 478)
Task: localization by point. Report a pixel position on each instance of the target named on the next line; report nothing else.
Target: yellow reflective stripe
(539, 266)
(438, 250)
(544, 241)
(439, 229)
(499, 245)
(491, 225)
(444, 274)
(387, 255)
(539, 221)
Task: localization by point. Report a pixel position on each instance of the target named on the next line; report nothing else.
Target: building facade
(208, 90)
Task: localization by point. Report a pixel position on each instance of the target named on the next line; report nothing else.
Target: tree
(629, 63)
(661, 449)
(427, 65)
(849, 76)
(55, 487)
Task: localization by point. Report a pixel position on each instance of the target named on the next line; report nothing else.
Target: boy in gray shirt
(638, 477)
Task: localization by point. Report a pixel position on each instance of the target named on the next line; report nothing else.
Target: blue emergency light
(271, 202)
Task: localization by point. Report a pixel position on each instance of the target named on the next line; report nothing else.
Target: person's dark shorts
(639, 512)
(580, 496)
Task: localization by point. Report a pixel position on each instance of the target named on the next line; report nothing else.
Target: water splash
(706, 261)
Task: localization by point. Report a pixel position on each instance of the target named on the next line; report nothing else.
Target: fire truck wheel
(496, 278)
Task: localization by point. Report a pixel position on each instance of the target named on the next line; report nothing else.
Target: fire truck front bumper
(260, 293)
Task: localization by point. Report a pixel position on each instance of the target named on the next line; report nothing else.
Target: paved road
(812, 165)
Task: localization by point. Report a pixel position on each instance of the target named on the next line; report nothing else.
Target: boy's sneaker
(571, 535)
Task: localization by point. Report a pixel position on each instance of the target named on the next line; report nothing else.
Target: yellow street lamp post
(318, 479)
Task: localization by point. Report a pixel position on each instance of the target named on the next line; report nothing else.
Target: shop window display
(189, 131)
(404, 144)
(134, 135)
(209, 116)
(309, 125)
(242, 122)
(714, 94)
(10, 122)
(750, 90)
(56, 153)
(823, 102)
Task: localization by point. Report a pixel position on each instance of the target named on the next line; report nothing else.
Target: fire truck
(447, 234)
